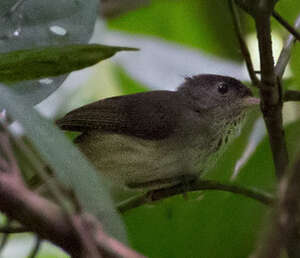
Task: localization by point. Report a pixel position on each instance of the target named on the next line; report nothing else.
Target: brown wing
(150, 115)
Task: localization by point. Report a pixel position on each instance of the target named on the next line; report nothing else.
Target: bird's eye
(223, 88)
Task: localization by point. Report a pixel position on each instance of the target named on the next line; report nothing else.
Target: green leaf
(68, 164)
(52, 61)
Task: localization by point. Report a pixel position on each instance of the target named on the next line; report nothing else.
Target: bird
(157, 139)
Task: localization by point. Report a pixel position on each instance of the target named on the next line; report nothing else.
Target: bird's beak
(251, 102)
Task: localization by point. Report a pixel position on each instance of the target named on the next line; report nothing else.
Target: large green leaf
(68, 164)
(30, 24)
(52, 61)
(197, 23)
(215, 224)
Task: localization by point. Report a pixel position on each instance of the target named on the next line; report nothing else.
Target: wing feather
(149, 115)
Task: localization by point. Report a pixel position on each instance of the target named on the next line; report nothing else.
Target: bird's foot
(183, 183)
(186, 182)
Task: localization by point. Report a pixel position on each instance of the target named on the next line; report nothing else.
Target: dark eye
(223, 88)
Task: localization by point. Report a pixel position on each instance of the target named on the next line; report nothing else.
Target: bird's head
(221, 96)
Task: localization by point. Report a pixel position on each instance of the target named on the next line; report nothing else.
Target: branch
(285, 226)
(290, 210)
(291, 95)
(4, 238)
(285, 24)
(243, 45)
(55, 192)
(45, 218)
(286, 52)
(271, 246)
(197, 186)
(270, 92)
(14, 8)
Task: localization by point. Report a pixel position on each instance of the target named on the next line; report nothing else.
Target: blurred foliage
(295, 66)
(202, 24)
(289, 9)
(127, 84)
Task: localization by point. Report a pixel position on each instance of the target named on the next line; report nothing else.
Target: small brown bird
(160, 138)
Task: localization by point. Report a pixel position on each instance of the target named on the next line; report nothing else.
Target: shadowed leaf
(52, 61)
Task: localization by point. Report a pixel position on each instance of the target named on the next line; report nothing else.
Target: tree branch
(197, 186)
(285, 226)
(4, 238)
(243, 45)
(43, 217)
(272, 245)
(270, 92)
(290, 210)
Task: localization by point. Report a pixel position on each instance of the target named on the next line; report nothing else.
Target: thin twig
(36, 248)
(111, 246)
(285, 54)
(54, 190)
(47, 219)
(13, 9)
(156, 195)
(86, 239)
(243, 45)
(285, 24)
(4, 241)
(291, 95)
(40, 169)
(5, 237)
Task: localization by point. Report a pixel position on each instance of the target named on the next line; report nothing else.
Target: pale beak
(251, 102)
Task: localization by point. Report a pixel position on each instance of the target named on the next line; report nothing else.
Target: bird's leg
(186, 181)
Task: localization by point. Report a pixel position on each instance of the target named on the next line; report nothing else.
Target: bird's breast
(130, 160)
